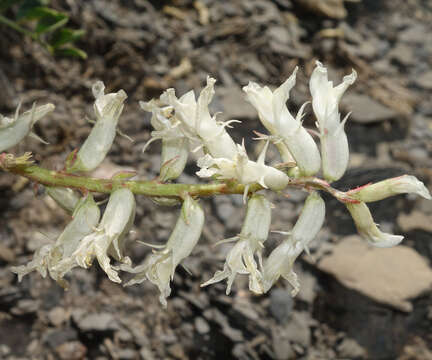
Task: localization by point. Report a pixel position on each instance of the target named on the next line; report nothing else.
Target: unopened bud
(405, 184)
(12, 131)
(108, 109)
(368, 229)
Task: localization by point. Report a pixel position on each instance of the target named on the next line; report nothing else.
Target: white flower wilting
(160, 266)
(281, 260)
(250, 242)
(14, 130)
(185, 124)
(108, 238)
(55, 258)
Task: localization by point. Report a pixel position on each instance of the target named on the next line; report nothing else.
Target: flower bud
(242, 169)
(197, 122)
(160, 266)
(66, 198)
(109, 237)
(175, 153)
(325, 103)
(368, 229)
(108, 108)
(240, 259)
(12, 131)
(175, 144)
(404, 184)
(276, 118)
(55, 258)
(281, 260)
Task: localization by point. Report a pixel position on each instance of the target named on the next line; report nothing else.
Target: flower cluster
(184, 124)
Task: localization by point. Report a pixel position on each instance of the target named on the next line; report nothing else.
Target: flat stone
(350, 349)
(391, 276)
(424, 80)
(403, 55)
(98, 322)
(366, 110)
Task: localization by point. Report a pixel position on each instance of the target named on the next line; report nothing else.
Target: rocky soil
(355, 302)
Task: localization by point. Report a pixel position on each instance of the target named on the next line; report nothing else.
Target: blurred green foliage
(34, 18)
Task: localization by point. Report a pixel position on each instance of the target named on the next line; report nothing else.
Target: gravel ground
(355, 302)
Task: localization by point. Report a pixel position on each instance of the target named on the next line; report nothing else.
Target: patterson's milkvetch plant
(184, 125)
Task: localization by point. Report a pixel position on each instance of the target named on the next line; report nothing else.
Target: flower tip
(351, 78)
(98, 89)
(320, 67)
(387, 240)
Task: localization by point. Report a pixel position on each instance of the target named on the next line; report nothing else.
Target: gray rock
(279, 34)
(97, 322)
(413, 34)
(54, 338)
(234, 105)
(281, 305)
(424, 81)
(403, 55)
(366, 110)
(297, 330)
(350, 349)
(202, 325)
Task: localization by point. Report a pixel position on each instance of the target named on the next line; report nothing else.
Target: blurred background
(355, 302)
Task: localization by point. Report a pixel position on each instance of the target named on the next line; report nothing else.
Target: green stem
(22, 166)
(16, 27)
(35, 37)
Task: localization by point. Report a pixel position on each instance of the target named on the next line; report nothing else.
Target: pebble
(97, 322)
(366, 110)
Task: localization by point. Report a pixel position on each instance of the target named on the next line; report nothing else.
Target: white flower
(198, 124)
(175, 145)
(240, 259)
(281, 260)
(13, 130)
(108, 108)
(66, 198)
(368, 229)
(404, 184)
(242, 169)
(109, 238)
(160, 266)
(325, 103)
(274, 115)
(54, 258)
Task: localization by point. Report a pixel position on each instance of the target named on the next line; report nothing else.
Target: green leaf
(50, 21)
(70, 51)
(27, 9)
(65, 35)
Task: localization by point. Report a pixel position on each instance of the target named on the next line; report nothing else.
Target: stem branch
(24, 167)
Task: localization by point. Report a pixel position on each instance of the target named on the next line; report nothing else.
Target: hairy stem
(24, 167)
